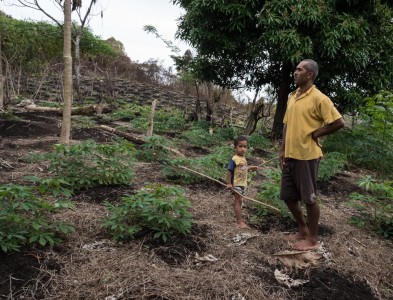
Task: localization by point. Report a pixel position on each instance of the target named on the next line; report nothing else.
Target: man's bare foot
(242, 225)
(305, 245)
(296, 237)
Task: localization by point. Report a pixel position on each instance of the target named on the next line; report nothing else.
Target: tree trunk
(77, 64)
(198, 109)
(66, 121)
(253, 118)
(282, 99)
(1, 77)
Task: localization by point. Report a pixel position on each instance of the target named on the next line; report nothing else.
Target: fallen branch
(5, 164)
(136, 139)
(84, 110)
(223, 184)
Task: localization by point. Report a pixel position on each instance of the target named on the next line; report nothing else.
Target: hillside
(215, 261)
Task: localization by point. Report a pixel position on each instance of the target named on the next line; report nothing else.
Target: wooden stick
(265, 162)
(219, 182)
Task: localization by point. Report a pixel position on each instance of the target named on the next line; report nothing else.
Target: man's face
(301, 74)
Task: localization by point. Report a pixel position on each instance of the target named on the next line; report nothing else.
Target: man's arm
(282, 148)
(327, 129)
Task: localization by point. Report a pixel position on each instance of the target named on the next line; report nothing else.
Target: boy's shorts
(239, 189)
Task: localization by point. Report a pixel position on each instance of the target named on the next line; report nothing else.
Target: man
(310, 115)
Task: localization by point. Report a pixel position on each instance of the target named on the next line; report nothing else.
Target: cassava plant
(161, 210)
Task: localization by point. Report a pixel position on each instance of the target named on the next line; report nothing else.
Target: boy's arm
(229, 183)
(252, 168)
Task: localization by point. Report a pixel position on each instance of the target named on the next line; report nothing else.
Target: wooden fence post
(151, 118)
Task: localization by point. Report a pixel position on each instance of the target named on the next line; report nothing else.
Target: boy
(237, 176)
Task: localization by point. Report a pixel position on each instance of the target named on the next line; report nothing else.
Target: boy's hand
(253, 168)
(229, 186)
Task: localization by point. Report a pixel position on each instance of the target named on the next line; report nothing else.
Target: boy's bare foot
(306, 244)
(296, 237)
(242, 225)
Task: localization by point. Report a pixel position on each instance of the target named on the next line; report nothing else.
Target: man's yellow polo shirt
(303, 116)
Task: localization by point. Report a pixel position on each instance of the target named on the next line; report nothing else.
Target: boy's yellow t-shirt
(239, 169)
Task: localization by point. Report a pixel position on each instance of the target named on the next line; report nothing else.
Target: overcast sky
(123, 20)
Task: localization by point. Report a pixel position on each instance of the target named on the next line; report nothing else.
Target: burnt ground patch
(177, 249)
(19, 271)
(327, 284)
(95, 134)
(272, 222)
(338, 188)
(101, 193)
(27, 129)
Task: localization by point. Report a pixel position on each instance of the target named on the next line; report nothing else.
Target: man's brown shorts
(298, 180)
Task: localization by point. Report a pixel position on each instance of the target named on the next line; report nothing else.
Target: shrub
(25, 218)
(87, 164)
(200, 137)
(258, 141)
(331, 164)
(162, 210)
(375, 209)
(368, 142)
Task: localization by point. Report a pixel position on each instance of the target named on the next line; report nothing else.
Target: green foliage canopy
(33, 45)
(254, 43)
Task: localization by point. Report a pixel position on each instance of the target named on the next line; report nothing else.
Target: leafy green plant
(87, 164)
(82, 122)
(162, 210)
(154, 149)
(375, 208)
(25, 218)
(214, 165)
(369, 142)
(200, 137)
(270, 194)
(258, 141)
(331, 164)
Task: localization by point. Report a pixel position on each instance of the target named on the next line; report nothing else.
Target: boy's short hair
(240, 138)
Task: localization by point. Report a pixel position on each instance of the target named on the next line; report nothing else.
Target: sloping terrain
(89, 265)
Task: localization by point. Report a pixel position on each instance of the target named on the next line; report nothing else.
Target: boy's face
(241, 148)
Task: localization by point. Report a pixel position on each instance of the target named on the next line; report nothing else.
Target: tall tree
(66, 120)
(252, 43)
(1, 74)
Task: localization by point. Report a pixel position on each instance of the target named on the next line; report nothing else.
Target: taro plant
(87, 164)
(161, 210)
(375, 208)
(25, 218)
